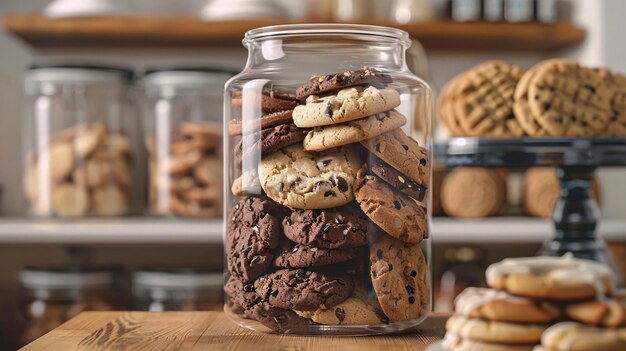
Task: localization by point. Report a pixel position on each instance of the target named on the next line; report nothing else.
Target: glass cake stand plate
(576, 213)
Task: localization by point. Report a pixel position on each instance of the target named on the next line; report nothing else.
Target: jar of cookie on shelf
(183, 123)
(80, 129)
(328, 208)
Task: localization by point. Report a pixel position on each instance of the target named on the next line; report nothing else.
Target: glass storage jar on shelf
(80, 141)
(183, 122)
(327, 212)
(55, 295)
(158, 290)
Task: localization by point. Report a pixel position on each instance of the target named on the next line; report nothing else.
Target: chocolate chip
(390, 266)
(256, 300)
(342, 184)
(288, 221)
(320, 184)
(280, 186)
(295, 248)
(411, 300)
(330, 193)
(379, 254)
(423, 161)
(274, 293)
(326, 162)
(397, 205)
(355, 227)
(246, 249)
(303, 274)
(255, 259)
(326, 227)
(410, 289)
(329, 108)
(413, 274)
(337, 221)
(377, 146)
(340, 313)
(248, 287)
(406, 147)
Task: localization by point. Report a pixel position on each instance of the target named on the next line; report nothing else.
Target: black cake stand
(576, 213)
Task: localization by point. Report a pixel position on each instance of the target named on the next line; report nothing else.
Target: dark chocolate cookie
(304, 290)
(396, 179)
(341, 229)
(321, 84)
(253, 231)
(271, 101)
(247, 302)
(292, 255)
(235, 126)
(270, 140)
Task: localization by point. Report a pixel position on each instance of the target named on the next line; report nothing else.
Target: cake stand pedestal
(576, 213)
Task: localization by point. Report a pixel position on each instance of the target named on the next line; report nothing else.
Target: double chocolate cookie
(254, 229)
(271, 101)
(292, 255)
(235, 126)
(303, 290)
(341, 229)
(330, 82)
(396, 179)
(270, 140)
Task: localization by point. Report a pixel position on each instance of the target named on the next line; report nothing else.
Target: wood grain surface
(171, 30)
(210, 331)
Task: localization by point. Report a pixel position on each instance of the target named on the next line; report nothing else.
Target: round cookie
(322, 84)
(494, 332)
(606, 313)
(402, 153)
(243, 296)
(569, 100)
(235, 126)
(303, 290)
(344, 106)
(396, 179)
(340, 229)
(270, 140)
(395, 213)
(570, 336)
(353, 311)
(446, 110)
(399, 275)
(521, 107)
(556, 278)
(482, 100)
(305, 180)
(292, 255)
(481, 303)
(253, 231)
(323, 138)
(88, 138)
(473, 193)
(271, 101)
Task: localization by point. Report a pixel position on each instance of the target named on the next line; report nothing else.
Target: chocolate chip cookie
(271, 101)
(270, 140)
(402, 153)
(340, 229)
(292, 255)
(396, 179)
(235, 126)
(254, 229)
(330, 82)
(397, 214)
(399, 276)
(303, 290)
(307, 180)
(246, 301)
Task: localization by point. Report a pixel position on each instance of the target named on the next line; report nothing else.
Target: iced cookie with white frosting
(554, 278)
(570, 336)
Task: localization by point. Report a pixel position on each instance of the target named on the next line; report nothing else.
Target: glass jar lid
(187, 76)
(177, 278)
(327, 29)
(78, 73)
(66, 278)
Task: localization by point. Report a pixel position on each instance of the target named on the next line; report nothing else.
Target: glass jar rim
(329, 29)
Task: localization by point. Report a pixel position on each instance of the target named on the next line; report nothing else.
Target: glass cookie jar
(80, 131)
(327, 208)
(184, 137)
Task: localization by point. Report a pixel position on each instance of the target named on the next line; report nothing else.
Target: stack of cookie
(322, 191)
(186, 171)
(84, 170)
(528, 297)
(554, 98)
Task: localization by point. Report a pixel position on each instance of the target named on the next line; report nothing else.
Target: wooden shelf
(141, 31)
(166, 231)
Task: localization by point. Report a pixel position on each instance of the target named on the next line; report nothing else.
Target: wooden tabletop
(210, 331)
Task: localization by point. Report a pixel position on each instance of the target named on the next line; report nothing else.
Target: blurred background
(139, 247)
